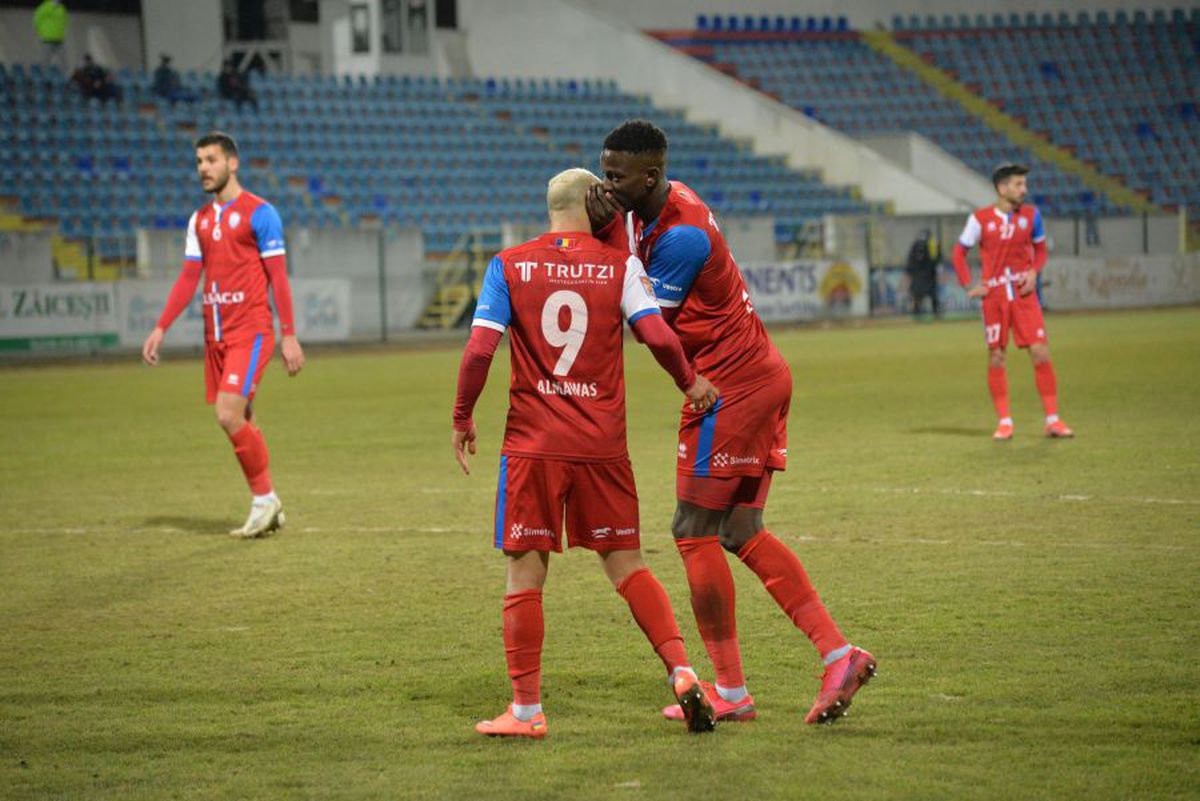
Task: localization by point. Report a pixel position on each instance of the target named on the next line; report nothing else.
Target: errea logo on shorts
(682, 450)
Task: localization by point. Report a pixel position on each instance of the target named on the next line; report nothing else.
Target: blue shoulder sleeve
(494, 309)
(677, 258)
(1039, 230)
(268, 229)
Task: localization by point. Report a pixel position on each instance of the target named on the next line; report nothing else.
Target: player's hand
(1027, 282)
(151, 345)
(464, 441)
(702, 394)
(601, 206)
(977, 291)
(293, 354)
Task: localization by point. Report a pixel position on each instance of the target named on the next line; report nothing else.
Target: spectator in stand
(92, 80)
(233, 85)
(168, 85)
(50, 24)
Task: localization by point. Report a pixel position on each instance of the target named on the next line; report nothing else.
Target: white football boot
(266, 515)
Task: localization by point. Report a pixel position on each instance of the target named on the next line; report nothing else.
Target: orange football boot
(507, 725)
(697, 710)
(1058, 430)
(724, 710)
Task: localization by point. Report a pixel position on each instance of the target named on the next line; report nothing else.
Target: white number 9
(569, 339)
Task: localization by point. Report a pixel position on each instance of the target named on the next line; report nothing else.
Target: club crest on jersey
(204, 224)
(234, 219)
(649, 286)
(991, 226)
(1022, 223)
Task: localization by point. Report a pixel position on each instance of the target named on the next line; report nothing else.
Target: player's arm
(181, 293)
(640, 308)
(968, 239)
(1028, 279)
(493, 313)
(268, 230)
(678, 257)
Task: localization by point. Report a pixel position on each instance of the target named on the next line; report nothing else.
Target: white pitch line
(981, 493)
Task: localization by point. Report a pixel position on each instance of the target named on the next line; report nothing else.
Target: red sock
(251, 451)
(524, 629)
(1047, 386)
(713, 603)
(998, 386)
(652, 610)
(784, 577)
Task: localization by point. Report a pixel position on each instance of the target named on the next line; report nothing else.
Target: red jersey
(1005, 243)
(562, 297)
(691, 268)
(231, 242)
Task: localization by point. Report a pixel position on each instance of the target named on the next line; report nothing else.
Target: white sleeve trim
(669, 304)
(492, 324)
(635, 293)
(276, 252)
(971, 232)
(191, 243)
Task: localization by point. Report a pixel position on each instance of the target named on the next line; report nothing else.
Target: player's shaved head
(567, 190)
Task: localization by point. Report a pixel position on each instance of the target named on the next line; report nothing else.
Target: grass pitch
(1033, 605)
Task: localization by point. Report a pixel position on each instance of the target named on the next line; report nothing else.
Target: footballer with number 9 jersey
(563, 298)
(728, 453)
(236, 245)
(1012, 246)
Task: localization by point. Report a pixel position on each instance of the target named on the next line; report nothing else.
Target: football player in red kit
(563, 298)
(728, 453)
(1012, 247)
(236, 245)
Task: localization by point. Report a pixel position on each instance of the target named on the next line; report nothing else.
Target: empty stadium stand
(446, 156)
(831, 74)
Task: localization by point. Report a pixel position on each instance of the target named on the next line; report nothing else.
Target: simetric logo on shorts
(518, 531)
(728, 460)
(233, 379)
(682, 450)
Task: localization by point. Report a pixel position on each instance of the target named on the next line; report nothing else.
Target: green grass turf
(1033, 605)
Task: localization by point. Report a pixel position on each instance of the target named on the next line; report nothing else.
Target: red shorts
(236, 367)
(1022, 316)
(743, 434)
(722, 494)
(599, 498)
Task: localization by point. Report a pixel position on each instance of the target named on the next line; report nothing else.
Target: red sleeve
(282, 290)
(1039, 255)
(182, 293)
(652, 330)
(473, 372)
(960, 264)
(613, 234)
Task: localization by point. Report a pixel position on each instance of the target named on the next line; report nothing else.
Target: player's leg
(695, 529)
(847, 667)
(651, 608)
(240, 373)
(528, 522)
(995, 327)
(602, 515)
(1029, 331)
